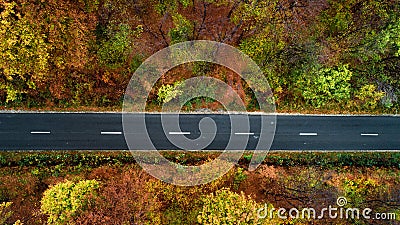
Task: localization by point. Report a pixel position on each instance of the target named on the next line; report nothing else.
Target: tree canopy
(316, 54)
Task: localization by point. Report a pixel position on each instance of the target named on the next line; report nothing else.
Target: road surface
(104, 131)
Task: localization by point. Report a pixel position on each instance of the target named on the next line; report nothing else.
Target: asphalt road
(104, 131)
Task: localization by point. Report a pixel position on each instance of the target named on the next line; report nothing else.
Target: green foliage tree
(182, 31)
(379, 52)
(115, 50)
(63, 201)
(338, 18)
(327, 85)
(368, 42)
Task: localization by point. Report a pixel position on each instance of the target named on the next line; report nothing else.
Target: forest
(59, 188)
(318, 55)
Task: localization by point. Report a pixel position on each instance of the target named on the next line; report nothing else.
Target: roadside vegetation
(319, 56)
(109, 188)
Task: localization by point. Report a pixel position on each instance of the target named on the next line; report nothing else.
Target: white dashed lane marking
(374, 135)
(238, 133)
(188, 133)
(111, 133)
(40, 132)
(179, 133)
(308, 134)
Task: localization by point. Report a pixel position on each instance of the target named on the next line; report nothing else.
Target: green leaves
(113, 52)
(338, 17)
(390, 37)
(378, 45)
(326, 85)
(183, 29)
(167, 92)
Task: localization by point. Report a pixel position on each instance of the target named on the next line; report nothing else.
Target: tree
(327, 85)
(24, 53)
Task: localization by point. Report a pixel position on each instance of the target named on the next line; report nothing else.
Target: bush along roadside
(100, 158)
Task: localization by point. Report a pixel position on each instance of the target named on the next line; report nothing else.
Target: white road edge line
(308, 134)
(369, 134)
(244, 133)
(179, 133)
(40, 132)
(111, 132)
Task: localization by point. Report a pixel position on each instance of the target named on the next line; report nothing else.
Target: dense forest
(108, 188)
(318, 55)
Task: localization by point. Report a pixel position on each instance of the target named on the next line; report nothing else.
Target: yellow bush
(64, 201)
(227, 207)
(369, 97)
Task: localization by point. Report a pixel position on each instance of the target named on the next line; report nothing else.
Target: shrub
(167, 92)
(328, 85)
(64, 201)
(369, 97)
(182, 30)
(239, 177)
(227, 207)
(358, 190)
(114, 52)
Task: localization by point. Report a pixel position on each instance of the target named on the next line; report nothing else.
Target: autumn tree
(24, 53)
